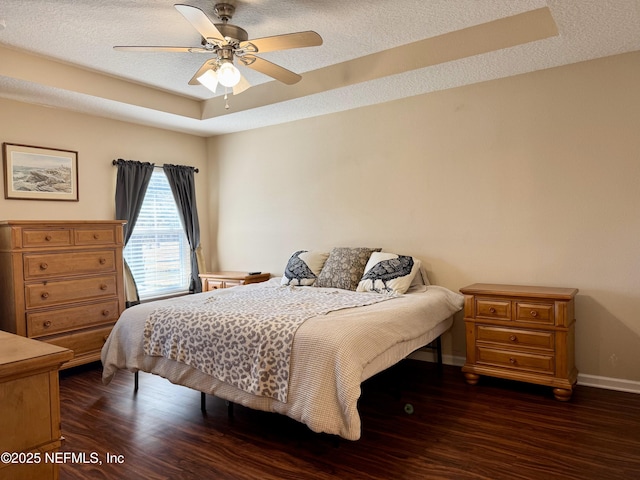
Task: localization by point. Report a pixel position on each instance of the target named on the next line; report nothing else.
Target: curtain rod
(115, 162)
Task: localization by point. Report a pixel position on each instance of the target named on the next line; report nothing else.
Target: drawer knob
(44, 295)
(513, 338)
(43, 266)
(47, 324)
(103, 286)
(96, 236)
(533, 313)
(492, 310)
(47, 238)
(105, 312)
(103, 261)
(512, 361)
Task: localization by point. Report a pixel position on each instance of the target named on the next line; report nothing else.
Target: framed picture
(38, 173)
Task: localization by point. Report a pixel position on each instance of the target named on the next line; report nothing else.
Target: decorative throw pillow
(303, 268)
(388, 273)
(344, 267)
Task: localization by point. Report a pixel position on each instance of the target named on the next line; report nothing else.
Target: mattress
(331, 355)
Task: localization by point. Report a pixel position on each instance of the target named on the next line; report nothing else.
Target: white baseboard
(609, 383)
(596, 381)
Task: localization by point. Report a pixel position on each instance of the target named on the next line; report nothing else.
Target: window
(158, 251)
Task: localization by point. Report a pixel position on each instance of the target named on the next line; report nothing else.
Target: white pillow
(303, 268)
(388, 272)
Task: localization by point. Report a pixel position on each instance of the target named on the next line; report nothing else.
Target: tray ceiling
(59, 53)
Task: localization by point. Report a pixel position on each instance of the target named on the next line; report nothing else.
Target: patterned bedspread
(244, 338)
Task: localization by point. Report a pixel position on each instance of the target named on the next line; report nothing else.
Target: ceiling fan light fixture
(228, 74)
(209, 79)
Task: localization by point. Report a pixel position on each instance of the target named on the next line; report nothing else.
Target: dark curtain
(131, 186)
(182, 183)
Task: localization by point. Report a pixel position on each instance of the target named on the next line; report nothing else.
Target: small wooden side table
(30, 405)
(216, 280)
(521, 333)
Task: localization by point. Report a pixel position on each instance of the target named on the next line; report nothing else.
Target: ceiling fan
(226, 42)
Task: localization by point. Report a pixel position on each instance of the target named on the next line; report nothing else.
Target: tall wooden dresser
(62, 282)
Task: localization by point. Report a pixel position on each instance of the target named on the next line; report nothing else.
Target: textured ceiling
(59, 53)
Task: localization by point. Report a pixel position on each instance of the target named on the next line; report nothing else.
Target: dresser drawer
(534, 313)
(69, 291)
(516, 337)
(56, 264)
(83, 342)
(40, 237)
(65, 319)
(538, 363)
(493, 308)
(95, 236)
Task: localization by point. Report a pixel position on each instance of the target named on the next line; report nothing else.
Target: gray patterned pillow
(303, 268)
(344, 267)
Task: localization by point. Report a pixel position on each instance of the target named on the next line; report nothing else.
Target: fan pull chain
(226, 96)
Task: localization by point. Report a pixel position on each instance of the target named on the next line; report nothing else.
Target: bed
(330, 355)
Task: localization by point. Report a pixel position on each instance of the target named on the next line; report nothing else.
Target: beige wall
(533, 179)
(98, 141)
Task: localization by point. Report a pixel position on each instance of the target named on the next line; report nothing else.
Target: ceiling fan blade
(242, 85)
(286, 41)
(155, 49)
(275, 71)
(200, 21)
(205, 66)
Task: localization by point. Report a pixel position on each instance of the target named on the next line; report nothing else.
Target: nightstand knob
(105, 313)
(492, 310)
(43, 266)
(96, 236)
(513, 338)
(47, 324)
(512, 361)
(47, 238)
(44, 295)
(103, 286)
(533, 313)
(102, 261)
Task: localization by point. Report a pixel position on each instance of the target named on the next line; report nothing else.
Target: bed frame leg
(135, 381)
(203, 402)
(230, 408)
(439, 351)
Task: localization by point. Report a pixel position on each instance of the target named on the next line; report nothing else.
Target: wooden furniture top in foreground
(20, 354)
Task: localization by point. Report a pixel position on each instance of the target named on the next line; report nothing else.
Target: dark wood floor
(495, 430)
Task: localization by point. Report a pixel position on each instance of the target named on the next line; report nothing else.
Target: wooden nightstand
(521, 333)
(216, 280)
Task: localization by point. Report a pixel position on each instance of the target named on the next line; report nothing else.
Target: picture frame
(39, 173)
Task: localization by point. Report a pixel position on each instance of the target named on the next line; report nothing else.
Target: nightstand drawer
(493, 308)
(534, 313)
(516, 360)
(516, 337)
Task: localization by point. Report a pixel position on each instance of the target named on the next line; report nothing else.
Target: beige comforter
(331, 355)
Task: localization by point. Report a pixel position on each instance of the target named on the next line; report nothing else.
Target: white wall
(98, 141)
(532, 179)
